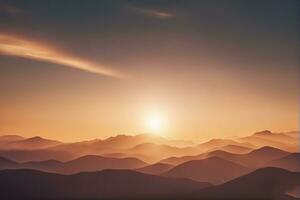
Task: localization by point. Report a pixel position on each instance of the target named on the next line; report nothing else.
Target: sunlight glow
(155, 124)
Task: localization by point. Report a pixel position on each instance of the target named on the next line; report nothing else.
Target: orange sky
(202, 74)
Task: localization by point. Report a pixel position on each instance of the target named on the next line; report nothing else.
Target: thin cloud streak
(20, 47)
(152, 12)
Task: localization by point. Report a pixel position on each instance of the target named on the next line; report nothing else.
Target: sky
(193, 70)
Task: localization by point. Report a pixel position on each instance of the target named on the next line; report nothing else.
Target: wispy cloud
(152, 12)
(20, 47)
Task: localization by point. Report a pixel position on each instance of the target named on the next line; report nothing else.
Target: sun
(155, 124)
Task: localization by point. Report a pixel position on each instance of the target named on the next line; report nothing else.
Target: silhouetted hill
(286, 197)
(294, 192)
(294, 134)
(107, 184)
(10, 138)
(260, 156)
(235, 149)
(213, 170)
(285, 141)
(183, 159)
(214, 144)
(118, 144)
(30, 143)
(97, 163)
(82, 164)
(36, 155)
(266, 183)
(280, 137)
(47, 166)
(254, 159)
(7, 164)
(290, 162)
(144, 158)
(155, 169)
(142, 146)
(157, 151)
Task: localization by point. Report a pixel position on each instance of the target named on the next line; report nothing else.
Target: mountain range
(139, 146)
(265, 183)
(82, 164)
(264, 165)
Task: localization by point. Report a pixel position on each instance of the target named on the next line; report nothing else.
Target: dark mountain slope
(265, 183)
(290, 162)
(213, 170)
(155, 169)
(107, 184)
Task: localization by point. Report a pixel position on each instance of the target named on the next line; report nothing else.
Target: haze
(194, 70)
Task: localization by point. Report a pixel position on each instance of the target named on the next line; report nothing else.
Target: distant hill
(235, 149)
(155, 169)
(158, 151)
(7, 164)
(10, 138)
(253, 159)
(290, 162)
(266, 156)
(213, 170)
(285, 141)
(266, 183)
(118, 168)
(214, 144)
(153, 149)
(97, 163)
(259, 157)
(82, 164)
(107, 184)
(36, 155)
(144, 158)
(126, 145)
(15, 142)
(294, 134)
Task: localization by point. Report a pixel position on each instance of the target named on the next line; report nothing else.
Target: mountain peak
(11, 137)
(35, 138)
(267, 149)
(265, 132)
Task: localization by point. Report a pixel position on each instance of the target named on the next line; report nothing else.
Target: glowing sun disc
(154, 124)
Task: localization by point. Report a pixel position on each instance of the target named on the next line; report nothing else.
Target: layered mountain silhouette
(234, 149)
(290, 162)
(215, 167)
(82, 164)
(10, 138)
(155, 152)
(213, 170)
(151, 167)
(118, 143)
(285, 141)
(7, 164)
(96, 163)
(37, 155)
(266, 183)
(107, 184)
(16, 142)
(141, 146)
(214, 144)
(254, 159)
(155, 169)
